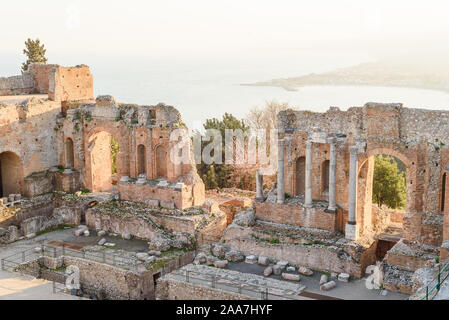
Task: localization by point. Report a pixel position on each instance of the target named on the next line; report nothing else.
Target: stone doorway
(161, 162)
(101, 161)
(300, 175)
(11, 174)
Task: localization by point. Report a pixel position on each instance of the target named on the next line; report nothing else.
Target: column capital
(331, 140)
(309, 144)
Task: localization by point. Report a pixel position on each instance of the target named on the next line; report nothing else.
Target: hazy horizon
(75, 31)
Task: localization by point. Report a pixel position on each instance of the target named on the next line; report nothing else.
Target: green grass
(57, 228)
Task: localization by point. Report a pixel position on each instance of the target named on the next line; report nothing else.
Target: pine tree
(35, 53)
(389, 186)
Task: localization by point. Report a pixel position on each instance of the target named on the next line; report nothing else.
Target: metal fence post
(54, 252)
(113, 259)
(439, 278)
(23, 256)
(63, 250)
(213, 281)
(240, 288)
(3, 264)
(187, 276)
(104, 256)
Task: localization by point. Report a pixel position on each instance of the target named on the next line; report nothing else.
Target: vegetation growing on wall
(114, 153)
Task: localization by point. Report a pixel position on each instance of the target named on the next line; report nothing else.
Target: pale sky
(227, 27)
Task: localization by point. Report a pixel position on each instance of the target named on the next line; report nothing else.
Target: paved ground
(14, 286)
(354, 290)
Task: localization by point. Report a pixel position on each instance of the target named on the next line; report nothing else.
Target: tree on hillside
(389, 186)
(35, 52)
(218, 175)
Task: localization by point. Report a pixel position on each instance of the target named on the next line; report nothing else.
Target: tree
(266, 117)
(35, 53)
(389, 186)
(219, 175)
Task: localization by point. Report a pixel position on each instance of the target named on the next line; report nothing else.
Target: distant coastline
(380, 73)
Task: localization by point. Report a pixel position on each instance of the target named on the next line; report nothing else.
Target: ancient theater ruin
(104, 171)
(321, 214)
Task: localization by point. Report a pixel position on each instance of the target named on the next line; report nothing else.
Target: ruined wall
(298, 216)
(28, 131)
(419, 138)
(15, 85)
(172, 289)
(70, 83)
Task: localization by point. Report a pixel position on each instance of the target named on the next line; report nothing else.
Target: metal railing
(442, 275)
(29, 255)
(250, 290)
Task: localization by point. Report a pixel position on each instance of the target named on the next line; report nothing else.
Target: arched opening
(325, 177)
(300, 175)
(141, 159)
(69, 153)
(443, 191)
(11, 174)
(103, 160)
(161, 162)
(381, 204)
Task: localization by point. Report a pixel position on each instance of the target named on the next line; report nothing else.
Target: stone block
(328, 286)
(221, 264)
(167, 205)
(343, 277)
(126, 236)
(251, 259)
(142, 256)
(263, 261)
(277, 269)
(268, 271)
(155, 253)
(324, 279)
(283, 264)
(234, 256)
(152, 203)
(291, 277)
(291, 269)
(102, 242)
(305, 271)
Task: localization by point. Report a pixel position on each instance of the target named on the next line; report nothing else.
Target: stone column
(332, 175)
(308, 183)
(351, 227)
(259, 186)
(280, 182)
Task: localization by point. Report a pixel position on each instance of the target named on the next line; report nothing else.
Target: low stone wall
(314, 256)
(96, 278)
(182, 198)
(296, 215)
(16, 85)
(112, 282)
(171, 289)
(134, 225)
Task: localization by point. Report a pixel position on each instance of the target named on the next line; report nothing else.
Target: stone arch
(161, 162)
(365, 175)
(69, 153)
(141, 160)
(325, 176)
(11, 174)
(300, 175)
